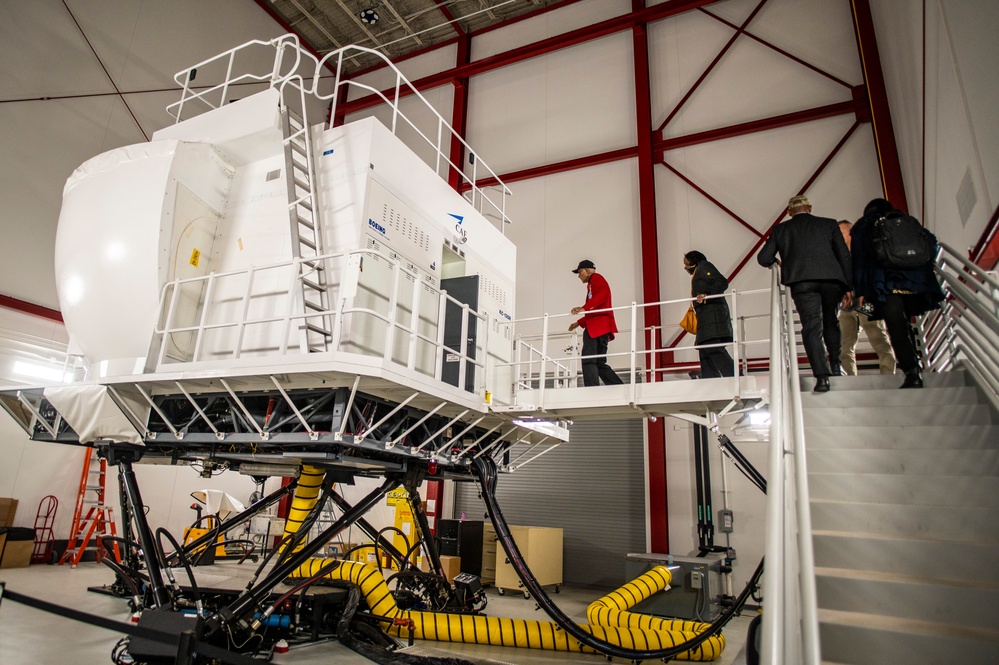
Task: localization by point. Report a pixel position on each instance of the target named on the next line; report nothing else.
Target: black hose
(183, 560)
(485, 470)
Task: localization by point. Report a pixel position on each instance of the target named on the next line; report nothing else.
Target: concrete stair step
(900, 416)
(870, 398)
(906, 597)
(890, 381)
(928, 491)
(942, 559)
(867, 639)
(913, 437)
(954, 523)
(906, 462)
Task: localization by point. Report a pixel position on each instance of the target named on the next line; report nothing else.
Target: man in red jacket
(598, 328)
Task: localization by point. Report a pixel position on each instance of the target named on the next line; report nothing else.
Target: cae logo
(376, 226)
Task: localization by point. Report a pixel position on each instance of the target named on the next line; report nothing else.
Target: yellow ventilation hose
(609, 622)
(310, 483)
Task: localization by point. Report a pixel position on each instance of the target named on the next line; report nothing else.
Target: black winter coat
(874, 282)
(713, 318)
(811, 249)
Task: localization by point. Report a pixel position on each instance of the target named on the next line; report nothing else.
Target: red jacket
(598, 296)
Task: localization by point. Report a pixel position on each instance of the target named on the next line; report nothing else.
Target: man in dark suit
(815, 264)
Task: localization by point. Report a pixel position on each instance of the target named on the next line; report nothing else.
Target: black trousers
(817, 304)
(595, 365)
(716, 362)
(900, 333)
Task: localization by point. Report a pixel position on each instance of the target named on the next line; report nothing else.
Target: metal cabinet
(541, 548)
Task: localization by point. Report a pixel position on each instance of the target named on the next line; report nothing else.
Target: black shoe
(822, 384)
(836, 370)
(912, 380)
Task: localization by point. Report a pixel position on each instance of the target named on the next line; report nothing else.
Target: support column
(884, 133)
(656, 430)
(459, 115)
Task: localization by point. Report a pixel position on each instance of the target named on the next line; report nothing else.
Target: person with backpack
(893, 271)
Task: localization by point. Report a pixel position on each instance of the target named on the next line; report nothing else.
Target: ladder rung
(311, 244)
(316, 329)
(299, 148)
(306, 223)
(313, 285)
(302, 183)
(318, 349)
(304, 203)
(315, 307)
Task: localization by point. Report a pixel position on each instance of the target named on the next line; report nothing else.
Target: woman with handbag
(714, 322)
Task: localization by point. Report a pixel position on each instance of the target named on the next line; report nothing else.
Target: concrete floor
(31, 636)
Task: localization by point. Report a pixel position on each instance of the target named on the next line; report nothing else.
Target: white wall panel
(144, 47)
(548, 24)
(560, 219)
(53, 138)
(44, 54)
(961, 98)
(569, 104)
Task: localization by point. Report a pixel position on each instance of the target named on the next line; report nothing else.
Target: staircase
(904, 495)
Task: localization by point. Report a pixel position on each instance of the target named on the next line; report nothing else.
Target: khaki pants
(850, 324)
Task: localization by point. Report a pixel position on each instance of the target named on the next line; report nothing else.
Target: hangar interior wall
(718, 196)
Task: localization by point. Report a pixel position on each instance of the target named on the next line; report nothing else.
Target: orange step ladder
(89, 528)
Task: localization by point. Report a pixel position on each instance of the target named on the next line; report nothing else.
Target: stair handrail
(964, 329)
(790, 630)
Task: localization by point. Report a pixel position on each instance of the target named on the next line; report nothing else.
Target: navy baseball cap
(585, 263)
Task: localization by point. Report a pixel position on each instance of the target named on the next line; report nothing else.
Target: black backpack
(901, 242)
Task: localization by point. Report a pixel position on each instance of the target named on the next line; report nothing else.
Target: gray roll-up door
(592, 487)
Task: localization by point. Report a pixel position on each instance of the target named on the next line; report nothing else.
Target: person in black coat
(714, 322)
(897, 295)
(815, 264)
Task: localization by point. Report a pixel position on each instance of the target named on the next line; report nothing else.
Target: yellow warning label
(396, 496)
(195, 257)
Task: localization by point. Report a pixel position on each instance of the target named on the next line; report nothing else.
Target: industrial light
(43, 372)
(369, 16)
(268, 470)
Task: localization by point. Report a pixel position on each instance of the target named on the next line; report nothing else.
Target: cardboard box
(7, 509)
(451, 565)
(17, 553)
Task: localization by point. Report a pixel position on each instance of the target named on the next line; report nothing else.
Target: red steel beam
(884, 133)
(776, 48)
(459, 117)
(986, 252)
(718, 203)
(542, 47)
(754, 126)
(648, 226)
(31, 308)
(759, 243)
(712, 64)
(556, 167)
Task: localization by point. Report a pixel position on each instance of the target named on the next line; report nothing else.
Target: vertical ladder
(89, 528)
(306, 232)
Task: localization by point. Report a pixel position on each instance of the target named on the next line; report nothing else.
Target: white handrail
(306, 68)
(964, 330)
(790, 630)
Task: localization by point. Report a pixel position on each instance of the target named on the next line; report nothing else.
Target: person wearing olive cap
(598, 327)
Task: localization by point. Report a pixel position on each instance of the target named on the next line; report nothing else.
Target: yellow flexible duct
(306, 495)
(610, 610)
(496, 631)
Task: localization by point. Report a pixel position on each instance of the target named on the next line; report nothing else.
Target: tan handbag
(689, 321)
